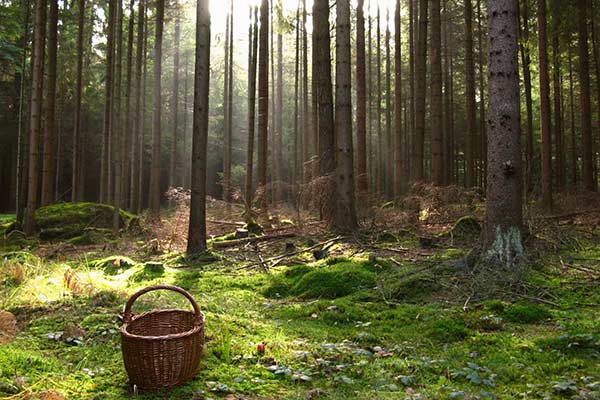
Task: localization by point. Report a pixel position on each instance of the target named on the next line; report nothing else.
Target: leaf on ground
(8, 327)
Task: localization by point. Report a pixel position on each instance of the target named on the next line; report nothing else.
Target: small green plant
(526, 313)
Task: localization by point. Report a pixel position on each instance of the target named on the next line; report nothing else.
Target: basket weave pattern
(162, 348)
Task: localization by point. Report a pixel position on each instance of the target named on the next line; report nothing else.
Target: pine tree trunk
(76, 176)
(49, 164)
(437, 136)
(296, 168)
(399, 179)
(389, 146)
(278, 150)
(138, 121)
(370, 158)
(597, 73)
(558, 113)
(545, 107)
(447, 145)
(421, 70)
(525, 62)
(584, 92)
(306, 127)
(174, 179)
(127, 147)
(574, 151)
(470, 152)
(117, 138)
(35, 113)
(361, 139)
(197, 224)
(143, 194)
(482, 126)
(227, 108)
(108, 106)
(379, 159)
(345, 211)
(411, 79)
(502, 232)
(253, 42)
(263, 105)
(155, 192)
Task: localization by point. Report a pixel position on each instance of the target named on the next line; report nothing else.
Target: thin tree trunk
(399, 179)
(361, 140)
(574, 151)
(437, 136)
(482, 126)
(502, 232)
(558, 113)
(370, 158)
(379, 173)
(470, 152)
(421, 70)
(584, 92)
(76, 176)
(49, 164)
(125, 175)
(117, 138)
(143, 194)
(525, 62)
(108, 106)
(597, 73)
(263, 105)
(345, 211)
(174, 179)
(389, 146)
(296, 169)
(35, 113)
(278, 161)
(306, 119)
(545, 107)
(447, 153)
(197, 225)
(227, 109)
(138, 121)
(155, 192)
(411, 80)
(253, 42)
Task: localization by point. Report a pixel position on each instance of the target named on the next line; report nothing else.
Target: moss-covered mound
(326, 282)
(464, 229)
(71, 220)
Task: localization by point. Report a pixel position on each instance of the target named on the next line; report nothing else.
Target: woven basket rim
(197, 327)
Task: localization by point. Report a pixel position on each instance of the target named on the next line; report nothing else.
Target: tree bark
(389, 146)
(227, 107)
(278, 150)
(545, 107)
(129, 132)
(437, 157)
(399, 179)
(345, 211)
(525, 62)
(155, 192)
(174, 179)
(379, 159)
(482, 125)
(471, 149)
(584, 92)
(361, 139)
(263, 104)
(197, 225)
(108, 106)
(49, 164)
(253, 42)
(35, 113)
(117, 132)
(138, 131)
(503, 224)
(417, 170)
(574, 152)
(76, 176)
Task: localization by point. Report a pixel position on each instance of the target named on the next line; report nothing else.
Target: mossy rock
(465, 228)
(149, 271)
(413, 289)
(386, 236)
(447, 330)
(254, 228)
(69, 220)
(91, 236)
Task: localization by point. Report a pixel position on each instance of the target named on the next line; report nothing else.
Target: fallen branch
(237, 242)
(233, 223)
(275, 260)
(568, 215)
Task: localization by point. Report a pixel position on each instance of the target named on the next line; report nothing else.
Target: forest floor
(390, 312)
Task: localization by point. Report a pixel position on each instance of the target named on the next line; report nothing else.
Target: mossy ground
(348, 326)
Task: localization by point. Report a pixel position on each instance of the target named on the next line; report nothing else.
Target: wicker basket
(162, 348)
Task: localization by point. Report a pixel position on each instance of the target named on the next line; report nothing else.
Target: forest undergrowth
(393, 311)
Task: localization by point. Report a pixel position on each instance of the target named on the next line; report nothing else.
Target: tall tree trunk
(49, 164)
(388, 154)
(138, 131)
(263, 105)
(399, 179)
(174, 179)
(502, 232)
(327, 160)
(447, 145)
(558, 112)
(117, 139)
(584, 92)
(470, 97)
(379, 153)
(345, 210)
(296, 173)
(278, 150)
(197, 225)
(143, 125)
(574, 150)
(306, 114)
(108, 103)
(482, 126)
(370, 158)
(76, 176)
(525, 62)
(361, 139)
(421, 70)
(35, 113)
(127, 147)
(411, 79)
(545, 107)
(597, 73)
(155, 193)
(437, 136)
(253, 42)
(227, 109)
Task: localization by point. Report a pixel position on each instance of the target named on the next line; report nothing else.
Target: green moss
(448, 330)
(335, 281)
(466, 228)
(148, 272)
(69, 220)
(112, 265)
(253, 228)
(91, 236)
(413, 289)
(526, 313)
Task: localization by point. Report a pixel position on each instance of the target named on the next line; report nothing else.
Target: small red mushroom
(260, 348)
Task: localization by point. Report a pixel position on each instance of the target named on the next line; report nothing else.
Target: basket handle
(127, 312)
